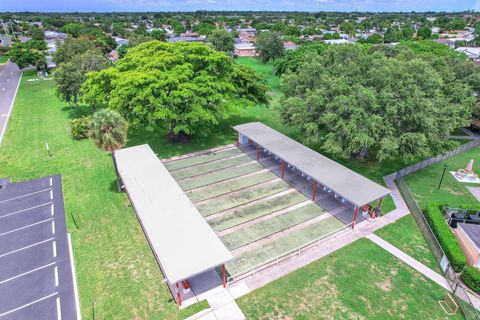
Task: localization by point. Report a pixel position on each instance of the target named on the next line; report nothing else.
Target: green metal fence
(461, 294)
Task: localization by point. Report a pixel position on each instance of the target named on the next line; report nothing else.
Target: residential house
(289, 45)
(187, 39)
(468, 235)
(245, 50)
(5, 41)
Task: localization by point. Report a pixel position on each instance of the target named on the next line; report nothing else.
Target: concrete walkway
(415, 264)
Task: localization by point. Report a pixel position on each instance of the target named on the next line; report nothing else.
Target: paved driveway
(9, 79)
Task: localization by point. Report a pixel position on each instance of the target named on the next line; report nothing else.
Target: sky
(247, 5)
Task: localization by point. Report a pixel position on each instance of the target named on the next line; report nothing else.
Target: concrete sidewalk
(415, 264)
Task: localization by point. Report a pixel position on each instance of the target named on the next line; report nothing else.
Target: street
(9, 80)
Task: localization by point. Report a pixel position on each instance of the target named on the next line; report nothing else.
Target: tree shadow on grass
(157, 138)
(75, 112)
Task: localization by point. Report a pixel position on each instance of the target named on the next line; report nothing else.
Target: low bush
(445, 237)
(80, 127)
(471, 277)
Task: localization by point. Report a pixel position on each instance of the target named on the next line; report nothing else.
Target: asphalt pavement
(9, 79)
(36, 270)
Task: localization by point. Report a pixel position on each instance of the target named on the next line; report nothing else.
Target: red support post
(224, 276)
(380, 203)
(354, 217)
(258, 152)
(283, 169)
(179, 296)
(314, 190)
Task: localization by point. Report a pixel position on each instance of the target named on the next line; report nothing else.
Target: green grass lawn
(360, 281)
(424, 183)
(3, 59)
(115, 267)
(406, 236)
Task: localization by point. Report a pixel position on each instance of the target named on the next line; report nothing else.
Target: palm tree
(108, 130)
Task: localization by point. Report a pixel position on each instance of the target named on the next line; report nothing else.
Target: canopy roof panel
(348, 184)
(183, 242)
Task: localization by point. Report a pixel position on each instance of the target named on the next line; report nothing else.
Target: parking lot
(36, 275)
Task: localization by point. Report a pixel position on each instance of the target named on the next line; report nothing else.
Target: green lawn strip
(424, 183)
(229, 186)
(359, 281)
(257, 210)
(206, 157)
(276, 224)
(240, 197)
(406, 236)
(221, 175)
(210, 167)
(282, 245)
(4, 59)
(116, 269)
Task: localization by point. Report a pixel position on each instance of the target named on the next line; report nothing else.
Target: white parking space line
(26, 247)
(52, 209)
(59, 309)
(28, 272)
(51, 182)
(28, 304)
(23, 210)
(51, 194)
(54, 246)
(56, 276)
(25, 227)
(28, 194)
(53, 226)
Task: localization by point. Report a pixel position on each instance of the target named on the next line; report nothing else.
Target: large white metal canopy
(183, 242)
(353, 187)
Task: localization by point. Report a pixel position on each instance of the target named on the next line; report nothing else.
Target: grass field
(360, 281)
(424, 183)
(406, 236)
(3, 59)
(115, 267)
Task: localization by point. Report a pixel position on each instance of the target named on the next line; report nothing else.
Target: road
(9, 79)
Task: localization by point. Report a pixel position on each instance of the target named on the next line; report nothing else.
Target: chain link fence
(433, 160)
(461, 294)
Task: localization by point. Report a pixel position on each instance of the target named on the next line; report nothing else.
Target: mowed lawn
(115, 267)
(424, 183)
(406, 236)
(3, 59)
(360, 281)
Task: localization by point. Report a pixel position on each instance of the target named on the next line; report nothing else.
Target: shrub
(445, 237)
(80, 127)
(471, 277)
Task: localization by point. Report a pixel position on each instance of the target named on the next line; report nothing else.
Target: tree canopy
(28, 53)
(184, 87)
(222, 40)
(70, 75)
(270, 46)
(384, 102)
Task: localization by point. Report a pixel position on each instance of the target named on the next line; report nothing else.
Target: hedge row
(445, 237)
(471, 277)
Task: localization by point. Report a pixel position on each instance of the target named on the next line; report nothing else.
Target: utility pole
(443, 174)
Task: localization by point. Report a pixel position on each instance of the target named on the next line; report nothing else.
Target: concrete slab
(239, 290)
(475, 191)
(230, 311)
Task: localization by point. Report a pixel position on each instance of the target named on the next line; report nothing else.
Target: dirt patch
(385, 285)
(455, 192)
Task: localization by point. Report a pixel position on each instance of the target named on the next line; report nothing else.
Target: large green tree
(184, 87)
(222, 40)
(71, 48)
(269, 46)
(353, 103)
(70, 75)
(28, 53)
